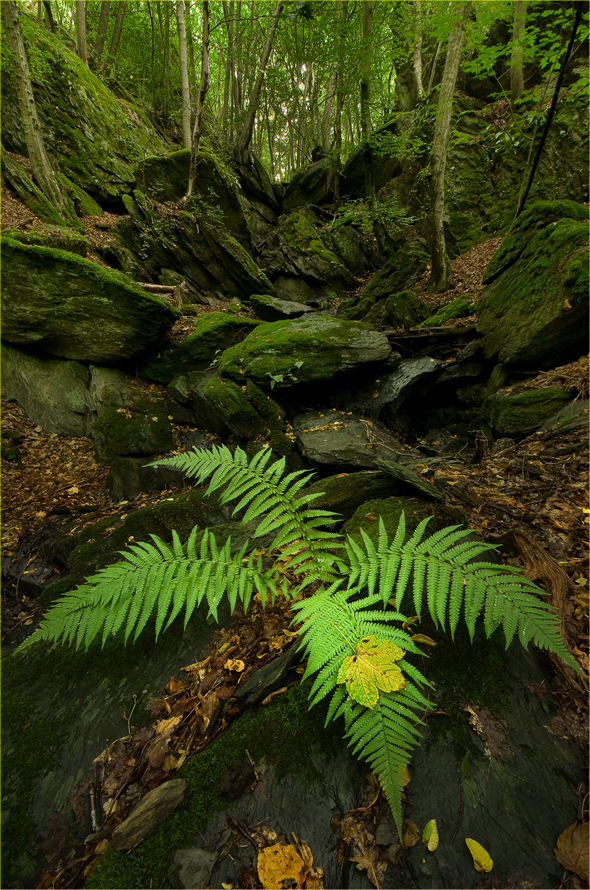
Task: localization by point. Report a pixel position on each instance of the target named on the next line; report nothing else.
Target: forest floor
(527, 495)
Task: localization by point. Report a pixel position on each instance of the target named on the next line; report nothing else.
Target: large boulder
(533, 312)
(69, 307)
(272, 309)
(521, 412)
(213, 333)
(309, 186)
(314, 347)
(338, 438)
(194, 245)
(214, 194)
(97, 137)
(386, 165)
(52, 392)
(297, 250)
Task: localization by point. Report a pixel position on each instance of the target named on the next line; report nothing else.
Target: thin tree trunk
(166, 41)
(153, 56)
(342, 8)
(433, 69)
(81, 29)
(417, 54)
(203, 87)
(438, 160)
(245, 137)
(191, 50)
(43, 172)
(101, 32)
(186, 93)
(49, 16)
(379, 229)
(516, 61)
(116, 38)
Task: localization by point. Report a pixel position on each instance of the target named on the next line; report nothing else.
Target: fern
(350, 607)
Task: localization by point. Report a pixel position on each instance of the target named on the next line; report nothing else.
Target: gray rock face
(309, 187)
(335, 438)
(272, 309)
(52, 392)
(395, 387)
(69, 307)
(311, 348)
(192, 868)
(534, 310)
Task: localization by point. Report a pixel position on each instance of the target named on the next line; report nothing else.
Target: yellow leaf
(371, 669)
(430, 835)
(422, 638)
(280, 866)
(154, 418)
(481, 858)
(234, 664)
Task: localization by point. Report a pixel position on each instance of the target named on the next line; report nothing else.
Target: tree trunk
(186, 93)
(81, 29)
(433, 70)
(43, 172)
(379, 229)
(342, 6)
(245, 137)
(49, 16)
(438, 159)
(516, 62)
(417, 54)
(203, 87)
(191, 52)
(116, 38)
(101, 33)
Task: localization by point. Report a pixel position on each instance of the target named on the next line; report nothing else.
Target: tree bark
(191, 52)
(203, 87)
(186, 93)
(43, 172)
(438, 159)
(116, 38)
(417, 53)
(379, 229)
(516, 62)
(49, 16)
(81, 30)
(341, 5)
(245, 137)
(101, 33)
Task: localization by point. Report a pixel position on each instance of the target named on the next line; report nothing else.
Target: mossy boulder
(401, 271)
(69, 307)
(191, 244)
(272, 309)
(533, 312)
(52, 392)
(309, 186)
(232, 407)
(386, 165)
(20, 182)
(298, 251)
(56, 237)
(347, 243)
(115, 433)
(213, 333)
(97, 138)
(367, 516)
(460, 307)
(314, 347)
(215, 191)
(405, 310)
(519, 413)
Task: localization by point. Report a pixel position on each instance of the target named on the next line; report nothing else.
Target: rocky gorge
(251, 315)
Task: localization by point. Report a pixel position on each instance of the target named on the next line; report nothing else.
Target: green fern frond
(154, 578)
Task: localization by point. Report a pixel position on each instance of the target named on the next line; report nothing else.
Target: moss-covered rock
(272, 309)
(72, 308)
(213, 333)
(385, 165)
(402, 270)
(233, 408)
(25, 188)
(405, 310)
(309, 186)
(55, 237)
(457, 308)
(346, 242)
(314, 347)
(114, 433)
(534, 311)
(191, 244)
(367, 516)
(519, 413)
(97, 138)
(53, 393)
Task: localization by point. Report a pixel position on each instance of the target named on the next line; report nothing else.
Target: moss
(274, 417)
(284, 734)
(234, 409)
(405, 310)
(54, 237)
(524, 412)
(213, 333)
(390, 509)
(457, 308)
(116, 434)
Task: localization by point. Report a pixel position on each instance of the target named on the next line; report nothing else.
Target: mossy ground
(284, 734)
(457, 308)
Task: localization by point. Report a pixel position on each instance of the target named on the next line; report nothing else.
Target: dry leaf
(166, 726)
(422, 638)
(572, 849)
(234, 664)
(410, 833)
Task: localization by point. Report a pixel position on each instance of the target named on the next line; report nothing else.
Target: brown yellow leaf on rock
(166, 726)
(279, 866)
(572, 849)
(482, 861)
(174, 685)
(235, 664)
(422, 638)
(410, 833)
